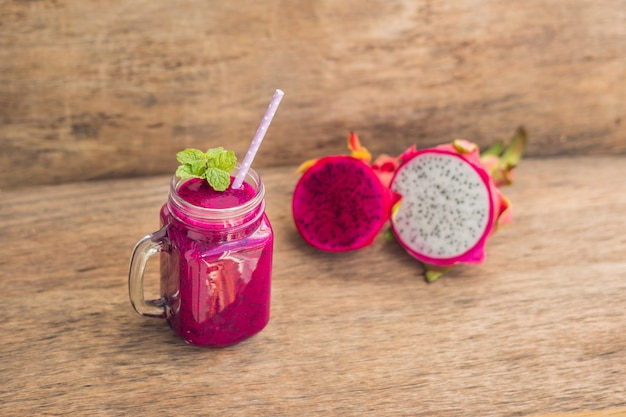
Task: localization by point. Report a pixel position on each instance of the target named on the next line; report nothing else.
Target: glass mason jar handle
(149, 245)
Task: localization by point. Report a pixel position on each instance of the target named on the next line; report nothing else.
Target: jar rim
(192, 210)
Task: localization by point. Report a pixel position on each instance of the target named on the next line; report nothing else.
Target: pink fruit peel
(500, 160)
(384, 167)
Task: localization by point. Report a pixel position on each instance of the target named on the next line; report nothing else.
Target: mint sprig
(213, 165)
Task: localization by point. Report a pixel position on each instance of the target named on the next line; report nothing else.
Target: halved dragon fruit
(339, 203)
(449, 206)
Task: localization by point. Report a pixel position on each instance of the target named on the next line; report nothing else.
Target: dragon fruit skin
(500, 160)
(339, 204)
(384, 167)
(464, 156)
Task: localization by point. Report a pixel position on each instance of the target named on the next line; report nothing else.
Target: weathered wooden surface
(101, 89)
(537, 329)
(617, 412)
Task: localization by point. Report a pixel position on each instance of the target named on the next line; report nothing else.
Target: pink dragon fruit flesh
(339, 203)
(449, 206)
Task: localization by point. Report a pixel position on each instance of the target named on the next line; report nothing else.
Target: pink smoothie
(199, 193)
(216, 277)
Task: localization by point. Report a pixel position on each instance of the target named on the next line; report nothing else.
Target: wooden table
(539, 329)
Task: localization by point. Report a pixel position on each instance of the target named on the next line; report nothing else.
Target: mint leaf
(213, 152)
(197, 168)
(214, 165)
(225, 161)
(184, 172)
(218, 179)
(190, 155)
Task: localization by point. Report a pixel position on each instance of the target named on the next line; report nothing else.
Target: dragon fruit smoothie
(216, 274)
(215, 245)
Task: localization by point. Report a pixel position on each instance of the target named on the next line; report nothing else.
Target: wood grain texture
(104, 89)
(537, 329)
(618, 412)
